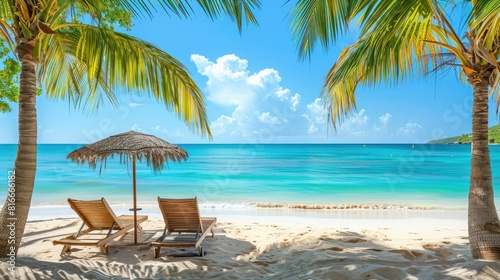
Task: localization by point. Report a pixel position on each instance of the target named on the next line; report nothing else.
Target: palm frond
(6, 33)
(6, 29)
(442, 39)
(483, 10)
(314, 21)
(137, 8)
(238, 10)
(5, 10)
(399, 39)
(65, 77)
(486, 26)
(88, 63)
(386, 54)
(338, 95)
(495, 88)
(444, 62)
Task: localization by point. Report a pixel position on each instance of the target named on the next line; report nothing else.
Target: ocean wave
(351, 206)
(338, 206)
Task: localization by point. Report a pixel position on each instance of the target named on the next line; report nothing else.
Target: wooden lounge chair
(182, 216)
(97, 216)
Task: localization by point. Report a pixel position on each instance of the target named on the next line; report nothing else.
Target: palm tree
(402, 38)
(87, 63)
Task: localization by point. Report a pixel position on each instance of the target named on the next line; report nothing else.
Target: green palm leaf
(398, 39)
(238, 10)
(314, 20)
(6, 31)
(485, 21)
(95, 7)
(86, 64)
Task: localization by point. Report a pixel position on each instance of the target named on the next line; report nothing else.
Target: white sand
(299, 245)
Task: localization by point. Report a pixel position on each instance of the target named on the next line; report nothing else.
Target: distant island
(493, 137)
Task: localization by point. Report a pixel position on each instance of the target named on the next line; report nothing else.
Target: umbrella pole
(135, 200)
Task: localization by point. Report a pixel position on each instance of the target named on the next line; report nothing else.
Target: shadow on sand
(335, 255)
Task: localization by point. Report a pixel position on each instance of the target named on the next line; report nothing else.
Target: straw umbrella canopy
(130, 146)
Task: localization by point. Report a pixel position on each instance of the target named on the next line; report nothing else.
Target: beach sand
(266, 247)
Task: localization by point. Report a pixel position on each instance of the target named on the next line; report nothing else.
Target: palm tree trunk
(484, 230)
(15, 212)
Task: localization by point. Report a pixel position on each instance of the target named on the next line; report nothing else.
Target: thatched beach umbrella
(130, 146)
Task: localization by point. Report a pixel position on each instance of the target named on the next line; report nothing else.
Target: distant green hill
(493, 136)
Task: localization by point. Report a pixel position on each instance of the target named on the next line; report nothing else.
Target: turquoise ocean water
(288, 176)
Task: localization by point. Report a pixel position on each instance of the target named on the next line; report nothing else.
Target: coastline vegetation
(493, 137)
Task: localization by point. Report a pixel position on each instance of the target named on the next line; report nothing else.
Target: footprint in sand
(338, 275)
(384, 273)
(248, 250)
(407, 254)
(356, 240)
(438, 249)
(324, 237)
(336, 249)
(413, 271)
(375, 250)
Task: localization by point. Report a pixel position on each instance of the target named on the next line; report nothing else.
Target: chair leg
(201, 252)
(156, 252)
(212, 231)
(65, 249)
(104, 249)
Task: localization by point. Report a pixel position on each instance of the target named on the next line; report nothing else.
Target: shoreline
(125, 201)
(284, 216)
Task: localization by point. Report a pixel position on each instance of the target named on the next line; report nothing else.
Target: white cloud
(227, 67)
(263, 109)
(359, 119)
(228, 79)
(265, 77)
(137, 128)
(312, 129)
(283, 93)
(315, 115)
(409, 129)
(133, 104)
(356, 125)
(156, 128)
(268, 118)
(241, 124)
(260, 104)
(179, 134)
(295, 102)
(384, 119)
(201, 62)
(159, 129)
(220, 125)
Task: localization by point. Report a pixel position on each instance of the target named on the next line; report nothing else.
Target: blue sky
(258, 91)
